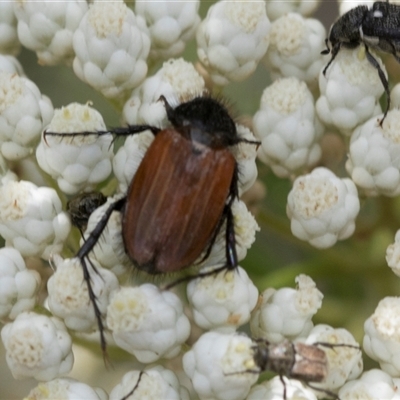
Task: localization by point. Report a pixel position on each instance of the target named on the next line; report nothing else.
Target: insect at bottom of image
(179, 199)
(376, 27)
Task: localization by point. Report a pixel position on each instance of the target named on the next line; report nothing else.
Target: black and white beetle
(377, 27)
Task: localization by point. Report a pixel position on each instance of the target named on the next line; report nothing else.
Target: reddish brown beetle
(181, 194)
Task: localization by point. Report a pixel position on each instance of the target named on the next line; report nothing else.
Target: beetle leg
(334, 51)
(135, 387)
(82, 254)
(383, 79)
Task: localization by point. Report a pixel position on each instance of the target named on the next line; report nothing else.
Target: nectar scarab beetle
(377, 28)
(181, 195)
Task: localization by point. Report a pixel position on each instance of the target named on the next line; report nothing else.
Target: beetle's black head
(205, 120)
(261, 356)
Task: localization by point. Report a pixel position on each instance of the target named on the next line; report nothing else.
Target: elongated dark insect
(377, 28)
(180, 196)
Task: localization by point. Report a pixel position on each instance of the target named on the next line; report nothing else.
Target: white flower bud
(10, 64)
(65, 389)
(222, 301)
(37, 346)
(274, 390)
(381, 340)
(217, 365)
(68, 293)
(9, 43)
(393, 254)
(286, 313)
(232, 39)
(372, 385)
(288, 127)
(177, 81)
(23, 114)
(79, 162)
(152, 383)
(295, 48)
(344, 362)
(322, 208)
(350, 91)
(31, 219)
(111, 47)
(47, 28)
(18, 285)
(171, 24)
(147, 322)
(374, 156)
(276, 9)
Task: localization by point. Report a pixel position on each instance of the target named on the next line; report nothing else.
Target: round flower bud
(79, 162)
(37, 347)
(10, 64)
(286, 313)
(295, 48)
(147, 322)
(66, 389)
(372, 384)
(222, 301)
(152, 383)
(68, 293)
(322, 208)
(344, 362)
(31, 219)
(18, 285)
(276, 9)
(393, 254)
(350, 91)
(381, 339)
(274, 389)
(171, 24)
(47, 28)
(111, 47)
(9, 43)
(232, 39)
(177, 80)
(374, 156)
(217, 365)
(288, 127)
(24, 112)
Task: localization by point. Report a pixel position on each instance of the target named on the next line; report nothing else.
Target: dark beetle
(378, 28)
(180, 196)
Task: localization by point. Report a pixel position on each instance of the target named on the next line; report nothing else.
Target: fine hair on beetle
(179, 198)
(377, 28)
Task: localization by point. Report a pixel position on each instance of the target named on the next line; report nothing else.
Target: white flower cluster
(9, 43)
(278, 9)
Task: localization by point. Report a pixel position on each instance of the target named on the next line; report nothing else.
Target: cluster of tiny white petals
(350, 91)
(382, 335)
(222, 301)
(31, 219)
(47, 28)
(393, 254)
(322, 208)
(77, 162)
(217, 365)
(277, 9)
(288, 127)
(171, 24)
(18, 285)
(111, 47)
(24, 112)
(109, 250)
(10, 64)
(373, 384)
(37, 347)
(65, 389)
(295, 48)
(155, 383)
(9, 43)
(177, 80)
(274, 390)
(68, 296)
(245, 227)
(147, 322)
(374, 156)
(232, 39)
(286, 312)
(344, 362)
